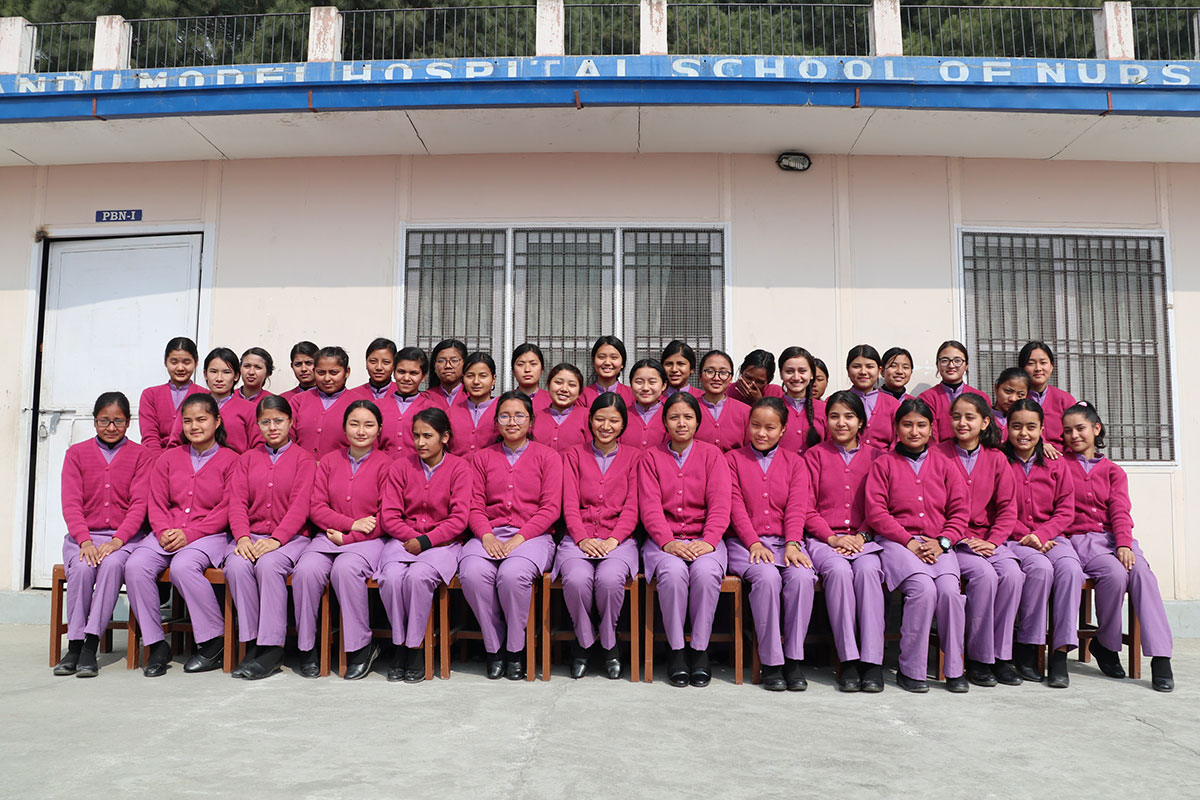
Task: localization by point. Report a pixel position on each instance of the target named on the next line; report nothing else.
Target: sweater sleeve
(391, 505)
(478, 519)
(799, 499)
(296, 516)
(1120, 509)
(455, 523)
(349, 536)
(135, 517)
(814, 523)
(217, 519)
(148, 423)
(742, 525)
(719, 498)
(320, 511)
(239, 501)
(1064, 507)
(1004, 504)
(878, 517)
(628, 519)
(650, 502)
(549, 497)
(72, 498)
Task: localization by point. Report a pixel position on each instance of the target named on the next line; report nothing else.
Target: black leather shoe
(677, 669)
(67, 665)
(395, 674)
(579, 661)
(1025, 660)
(850, 680)
(310, 667)
(910, 684)
(1107, 660)
(414, 675)
(414, 666)
(88, 668)
(871, 676)
(1006, 674)
(1059, 677)
(495, 666)
(205, 659)
(613, 669)
(359, 666)
(700, 674)
(1162, 678)
(958, 685)
(793, 676)
(514, 667)
(399, 660)
(772, 680)
(159, 660)
(980, 674)
(240, 670)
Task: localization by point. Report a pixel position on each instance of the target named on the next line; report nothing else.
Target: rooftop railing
(781, 29)
(998, 31)
(218, 41)
(1166, 34)
(447, 32)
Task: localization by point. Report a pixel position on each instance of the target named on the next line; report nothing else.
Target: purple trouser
(772, 586)
(499, 590)
(1056, 574)
(853, 589)
(407, 583)
(929, 590)
(187, 564)
(92, 592)
(1098, 555)
(348, 567)
(260, 590)
(686, 589)
(994, 586)
(598, 582)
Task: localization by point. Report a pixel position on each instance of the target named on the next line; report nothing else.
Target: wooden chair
(1087, 632)
(449, 635)
(58, 625)
(427, 645)
(179, 627)
(732, 586)
(552, 634)
(324, 632)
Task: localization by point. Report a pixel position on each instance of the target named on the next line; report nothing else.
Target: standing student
(105, 482)
(425, 507)
(608, 362)
(684, 498)
(528, 363)
(917, 506)
(1037, 359)
(844, 553)
(679, 362)
(268, 516)
(517, 498)
(754, 378)
(723, 419)
(399, 410)
(806, 417)
(897, 372)
(347, 547)
(1045, 511)
(319, 415)
(221, 374)
(770, 502)
(445, 382)
(381, 362)
(952, 369)
(820, 379)
(257, 366)
(303, 361)
(862, 367)
(472, 419)
(992, 571)
(1011, 385)
(158, 408)
(563, 423)
(644, 428)
(189, 522)
(599, 555)
(1102, 535)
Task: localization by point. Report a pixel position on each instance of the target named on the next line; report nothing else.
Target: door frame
(22, 521)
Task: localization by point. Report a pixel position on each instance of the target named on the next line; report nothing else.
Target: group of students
(598, 481)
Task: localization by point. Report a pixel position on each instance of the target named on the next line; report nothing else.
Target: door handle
(56, 414)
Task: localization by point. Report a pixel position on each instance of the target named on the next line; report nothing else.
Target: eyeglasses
(710, 372)
(519, 419)
(104, 422)
(951, 362)
(277, 422)
(448, 362)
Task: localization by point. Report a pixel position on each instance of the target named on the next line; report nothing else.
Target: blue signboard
(121, 215)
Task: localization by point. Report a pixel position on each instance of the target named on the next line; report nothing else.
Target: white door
(111, 306)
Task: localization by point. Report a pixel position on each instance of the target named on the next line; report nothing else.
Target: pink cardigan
(561, 436)
(644, 434)
(240, 418)
(839, 490)
(99, 496)
(598, 505)
(771, 503)
(526, 495)
(991, 491)
(365, 392)
(436, 507)
(901, 505)
(1056, 401)
(395, 437)
(591, 392)
(1101, 500)
(881, 423)
(341, 496)
(272, 498)
(937, 400)
(795, 436)
(158, 418)
(770, 390)
(318, 430)
(466, 438)
(195, 502)
(1045, 499)
(689, 502)
(728, 431)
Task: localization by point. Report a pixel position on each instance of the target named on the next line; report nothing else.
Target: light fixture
(793, 162)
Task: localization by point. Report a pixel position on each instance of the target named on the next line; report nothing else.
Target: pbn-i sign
(123, 215)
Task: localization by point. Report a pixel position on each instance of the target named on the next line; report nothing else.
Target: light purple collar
(513, 455)
(604, 461)
(716, 407)
(110, 453)
(200, 459)
(647, 413)
(765, 458)
(1088, 463)
(275, 454)
(870, 399)
(847, 455)
(329, 399)
(355, 463)
(968, 459)
(681, 458)
(178, 393)
(430, 470)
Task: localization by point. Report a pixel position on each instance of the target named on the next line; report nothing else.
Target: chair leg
(1135, 643)
(341, 670)
(56, 623)
(230, 633)
(428, 646)
(106, 641)
(635, 650)
(323, 631)
(1085, 621)
(755, 661)
(738, 654)
(531, 637)
(648, 640)
(132, 651)
(546, 626)
(443, 604)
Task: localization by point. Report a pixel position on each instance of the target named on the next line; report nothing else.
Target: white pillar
(324, 34)
(550, 28)
(1114, 31)
(1196, 35)
(654, 27)
(886, 37)
(16, 45)
(113, 39)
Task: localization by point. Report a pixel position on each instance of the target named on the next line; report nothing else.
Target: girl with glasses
(445, 382)
(723, 420)
(952, 369)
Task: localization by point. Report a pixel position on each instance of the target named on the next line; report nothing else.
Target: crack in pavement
(1166, 738)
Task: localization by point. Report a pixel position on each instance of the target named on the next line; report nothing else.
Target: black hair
(302, 348)
(1027, 351)
(913, 405)
(434, 418)
(957, 345)
(775, 404)
(614, 342)
(273, 402)
(677, 347)
(892, 352)
(1089, 413)
(1039, 449)
(444, 344)
(381, 344)
(515, 394)
(210, 405)
(682, 397)
(109, 399)
(368, 405)
(990, 435)
(229, 357)
(336, 353)
(851, 401)
(609, 400)
(525, 349)
(413, 354)
(264, 355)
(1012, 374)
(480, 357)
(820, 367)
(813, 436)
(759, 358)
(713, 353)
(863, 351)
(181, 343)
(649, 363)
(565, 367)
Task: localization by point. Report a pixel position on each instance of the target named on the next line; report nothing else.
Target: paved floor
(208, 735)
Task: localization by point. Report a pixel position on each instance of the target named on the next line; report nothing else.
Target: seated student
(648, 381)
(426, 502)
(684, 497)
(1045, 511)
(472, 418)
(189, 523)
(256, 368)
(105, 482)
(303, 360)
(897, 372)
(917, 507)
(844, 553)
(347, 547)
(268, 516)
(1011, 385)
(1037, 359)
(608, 362)
(820, 379)
(992, 571)
(562, 424)
(806, 425)
(1102, 535)
(399, 410)
(317, 425)
(381, 361)
(770, 502)
(679, 362)
(722, 419)
(952, 369)
(221, 374)
(158, 408)
(517, 498)
(445, 382)
(862, 367)
(754, 378)
(599, 555)
(528, 363)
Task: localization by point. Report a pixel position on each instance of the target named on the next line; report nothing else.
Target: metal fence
(219, 41)
(602, 29)
(807, 29)
(1165, 34)
(459, 32)
(1005, 32)
(63, 46)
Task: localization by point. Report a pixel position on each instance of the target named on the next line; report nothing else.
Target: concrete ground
(208, 735)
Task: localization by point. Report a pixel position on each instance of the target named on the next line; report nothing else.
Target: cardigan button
(187, 511)
(847, 522)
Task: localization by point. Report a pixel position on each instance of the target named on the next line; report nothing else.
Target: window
(454, 288)
(1101, 303)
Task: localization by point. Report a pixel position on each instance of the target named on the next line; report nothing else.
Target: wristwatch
(867, 536)
(944, 541)
(798, 545)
